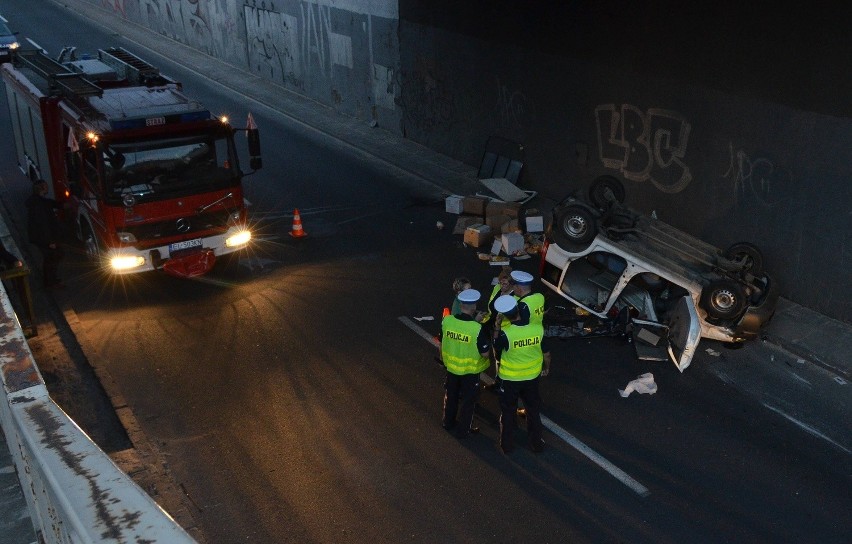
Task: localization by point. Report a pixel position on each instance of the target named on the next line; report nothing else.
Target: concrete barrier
(75, 493)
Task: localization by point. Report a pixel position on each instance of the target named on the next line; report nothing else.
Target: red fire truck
(150, 178)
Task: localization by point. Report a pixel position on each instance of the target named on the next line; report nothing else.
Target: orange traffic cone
(296, 231)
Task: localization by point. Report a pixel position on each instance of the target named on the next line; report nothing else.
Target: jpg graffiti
(644, 146)
(756, 177)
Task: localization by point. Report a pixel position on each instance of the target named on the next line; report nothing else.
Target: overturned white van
(610, 261)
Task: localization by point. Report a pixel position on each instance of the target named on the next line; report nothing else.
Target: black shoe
(472, 430)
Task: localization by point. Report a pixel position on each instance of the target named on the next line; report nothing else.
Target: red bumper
(191, 265)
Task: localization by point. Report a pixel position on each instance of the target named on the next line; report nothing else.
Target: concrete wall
(342, 53)
(731, 122)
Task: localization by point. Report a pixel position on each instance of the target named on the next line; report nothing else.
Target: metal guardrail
(74, 491)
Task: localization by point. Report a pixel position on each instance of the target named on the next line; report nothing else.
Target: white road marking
(420, 332)
(796, 376)
(567, 437)
(805, 427)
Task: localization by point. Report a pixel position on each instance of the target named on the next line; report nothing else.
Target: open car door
(684, 332)
(676, 339)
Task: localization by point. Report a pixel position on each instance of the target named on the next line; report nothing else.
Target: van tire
(723, 299)
(575, 227)
(753, 256)
(597, 191)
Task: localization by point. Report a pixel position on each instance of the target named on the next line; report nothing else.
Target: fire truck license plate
(186, 244)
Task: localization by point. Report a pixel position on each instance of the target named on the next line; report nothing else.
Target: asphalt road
(295, 397)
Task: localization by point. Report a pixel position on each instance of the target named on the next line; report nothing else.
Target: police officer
(465, 346)
(524, 357)
(530, 304)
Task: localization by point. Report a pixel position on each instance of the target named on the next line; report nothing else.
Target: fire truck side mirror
(254, 148)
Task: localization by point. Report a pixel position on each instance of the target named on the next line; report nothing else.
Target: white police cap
(505, 304)
(469, 296)
(521, 278)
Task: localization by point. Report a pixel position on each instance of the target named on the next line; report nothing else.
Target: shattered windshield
(168, 168)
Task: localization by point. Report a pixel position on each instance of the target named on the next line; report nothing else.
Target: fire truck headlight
(126, 238)
(239, 239)
(126, 262)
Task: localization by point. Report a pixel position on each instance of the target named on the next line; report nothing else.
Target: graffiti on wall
(644, 146)
(182, 20)
(273, 46)
(756, 177)
(116, 5)
(290, 48)
(301, 49)
(513, 107)
(426, 101)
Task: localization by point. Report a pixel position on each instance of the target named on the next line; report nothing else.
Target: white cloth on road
(642, 384)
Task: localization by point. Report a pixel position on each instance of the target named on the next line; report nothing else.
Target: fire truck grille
(150, 232)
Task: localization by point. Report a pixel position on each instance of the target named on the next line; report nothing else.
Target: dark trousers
(50, 263)
(510, 392)
(462, 390)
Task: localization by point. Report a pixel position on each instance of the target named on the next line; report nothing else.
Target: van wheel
(575, 227)
(598, 191)
(752, 255)
(723, 299)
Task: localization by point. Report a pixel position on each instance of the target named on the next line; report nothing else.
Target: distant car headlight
(14, 45)
(239, 239)
(126, 262)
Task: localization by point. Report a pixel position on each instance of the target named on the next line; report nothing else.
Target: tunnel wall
(731, 122)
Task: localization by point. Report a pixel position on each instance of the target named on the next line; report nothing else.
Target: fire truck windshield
(155, 170)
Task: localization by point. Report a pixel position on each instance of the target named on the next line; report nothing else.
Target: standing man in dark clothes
(44, 231)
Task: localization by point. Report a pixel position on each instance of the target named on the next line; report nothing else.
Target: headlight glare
(239, 239)
(126, 262)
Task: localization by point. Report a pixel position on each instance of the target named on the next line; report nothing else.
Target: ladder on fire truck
(130, 67)
(59, 77)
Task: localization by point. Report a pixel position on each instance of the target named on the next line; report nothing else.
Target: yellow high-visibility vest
(524, 358)
(459, 349)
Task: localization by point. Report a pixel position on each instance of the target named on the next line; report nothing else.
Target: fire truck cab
(150, 178)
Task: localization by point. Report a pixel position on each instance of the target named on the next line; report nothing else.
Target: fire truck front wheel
(90, 241)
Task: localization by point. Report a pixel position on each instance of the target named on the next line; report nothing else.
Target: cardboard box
(478, 235)
(496, 222)
(454, 204)
(464, 221)
(498, 207)
(535, 223)
(475, 205)
(513, 242)
(510, 226)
